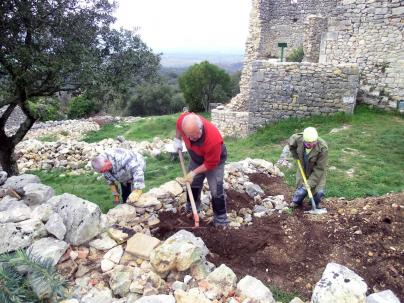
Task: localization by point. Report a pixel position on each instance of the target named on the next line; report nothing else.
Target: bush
(80, 107)
(296, 55)
(46, 109)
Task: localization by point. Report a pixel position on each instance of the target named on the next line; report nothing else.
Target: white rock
(386, 296)
(194, 295)
(114, 254)
(96, 295)
(122, 213)
(20, 235)
(81, 218)
(253, 289)
(55, 226)
(296, 300)
(180, 252)
(173, 187)
(222, 281)
(15, 213)
(339, 284)
(36, 193)
(157, 299)
(104, 243)
(42, 212)
(8, 202)
(107, 265)
(141, 245)
(49, 248)
(147, 200)
(17, 183)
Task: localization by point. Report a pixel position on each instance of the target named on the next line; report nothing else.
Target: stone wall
(314, 27)
(369, 33)
(285, 22)
(286, 90)
(231, 123)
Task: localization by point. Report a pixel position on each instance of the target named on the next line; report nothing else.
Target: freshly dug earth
(290, 251)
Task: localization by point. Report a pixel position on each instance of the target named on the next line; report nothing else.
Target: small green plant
(80, 107)
(25, 278)
(382, 66)
(46, 109)
(296, 55)
(48, 138)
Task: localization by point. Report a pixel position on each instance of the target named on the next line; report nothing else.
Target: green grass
(158, 171)
(373, 146)
(281, 296)
(48, 138)
(145, 129)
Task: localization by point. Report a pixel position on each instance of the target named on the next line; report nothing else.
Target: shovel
(191, 196)
(314, 210)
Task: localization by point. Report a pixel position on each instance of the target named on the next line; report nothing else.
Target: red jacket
(209, 149)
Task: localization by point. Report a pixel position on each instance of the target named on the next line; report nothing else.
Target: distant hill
(179, 62)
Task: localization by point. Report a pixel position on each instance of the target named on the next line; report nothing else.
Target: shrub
(296, 55)
(80, 107)
(46, 109)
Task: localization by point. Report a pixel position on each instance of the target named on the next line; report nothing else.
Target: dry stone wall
(285, 90)
(369, 33)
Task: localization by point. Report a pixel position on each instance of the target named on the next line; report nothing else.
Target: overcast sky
(188, 25)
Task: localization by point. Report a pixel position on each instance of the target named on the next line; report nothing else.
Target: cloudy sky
(188, 25)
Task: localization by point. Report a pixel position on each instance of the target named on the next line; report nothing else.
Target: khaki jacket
(316, 166)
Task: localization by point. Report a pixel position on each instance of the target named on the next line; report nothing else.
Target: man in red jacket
(208, 155)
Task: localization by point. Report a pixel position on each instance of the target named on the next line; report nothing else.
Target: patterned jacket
(127, 167)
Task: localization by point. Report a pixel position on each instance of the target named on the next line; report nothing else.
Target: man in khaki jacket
(312, 152)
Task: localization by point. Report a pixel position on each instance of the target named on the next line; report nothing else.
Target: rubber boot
(219, 212)
(317, 198)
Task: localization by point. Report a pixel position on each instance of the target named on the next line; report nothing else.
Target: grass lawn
(372, 147)
(145, 129)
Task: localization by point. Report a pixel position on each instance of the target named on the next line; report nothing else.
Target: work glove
(177, 144)
(135, 195)
(187, 179)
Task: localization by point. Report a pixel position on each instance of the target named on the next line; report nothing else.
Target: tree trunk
(7, 157)
(8, 160)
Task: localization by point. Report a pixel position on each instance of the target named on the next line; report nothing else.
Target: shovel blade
(317, 211)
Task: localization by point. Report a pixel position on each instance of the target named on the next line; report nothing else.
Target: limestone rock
(103, 243)
(252, 289)
(36, 193)
(42, 212)
(386, 296)
(81, 218)
(16, 213)
(157, 299)
(339, 284)
(179, 252)
(141, 245)
(194, 295)
(17, 183)
(49, 248)
(221, 282)
(20, 235)
(98, 295)
(122, 213)
(55, 226)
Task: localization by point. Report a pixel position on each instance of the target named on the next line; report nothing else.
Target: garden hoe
(314, 210)
(191, 196)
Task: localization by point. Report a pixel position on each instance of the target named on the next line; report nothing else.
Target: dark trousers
(126, 189)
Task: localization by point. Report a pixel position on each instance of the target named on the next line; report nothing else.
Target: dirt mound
(291, 251)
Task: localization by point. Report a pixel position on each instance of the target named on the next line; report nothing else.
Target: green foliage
(40, 281)
(80, 107)
(235, 83)
(281, 296)
(154, 99)
(204, 83)
(296, 55)
(46, 109)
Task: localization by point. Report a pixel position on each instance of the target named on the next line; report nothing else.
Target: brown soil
(291, 251)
